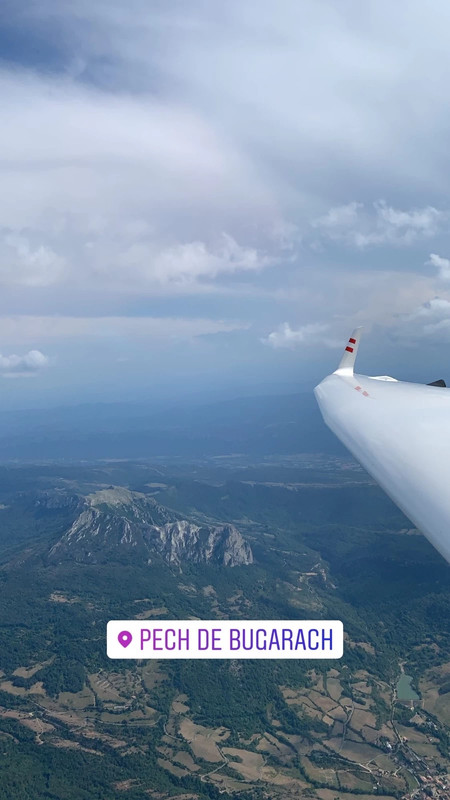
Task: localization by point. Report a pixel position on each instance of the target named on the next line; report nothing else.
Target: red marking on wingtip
(353, 341)
(358, 388)
(366, 394)
(349, 349)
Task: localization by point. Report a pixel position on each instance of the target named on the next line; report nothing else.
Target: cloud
(140, 161)
(122, 193)
(23, 366)
(442, 265)
(24, 264)
(340, 217)
(187, 263)
(438, 331)
(429, 321)
(432, 308)
(359, 226)
(129, 258)
(311, 334)
(181, 170)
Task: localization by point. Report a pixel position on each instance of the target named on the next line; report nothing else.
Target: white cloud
(25, 265)
(428, 321)
(438, 331)
(23, 366)
(286, 235)
(312, 334)
(405, 227)
(186, 263)
(125, 193)
(127, 258)
(442, 265)
(422, 220)
(127, 153)
(380, 224)
(339, 217)
(432, 308)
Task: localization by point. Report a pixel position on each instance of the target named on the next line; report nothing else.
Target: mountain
(182, 540)
(117, 524)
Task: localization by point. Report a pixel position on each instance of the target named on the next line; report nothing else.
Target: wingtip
(347, 363)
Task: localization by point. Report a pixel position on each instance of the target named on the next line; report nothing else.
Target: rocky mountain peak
(117, 524)
(183, 540)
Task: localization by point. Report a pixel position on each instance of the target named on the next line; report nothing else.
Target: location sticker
(125, 638)
(224, 638)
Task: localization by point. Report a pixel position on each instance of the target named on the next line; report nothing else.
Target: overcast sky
(203, 193)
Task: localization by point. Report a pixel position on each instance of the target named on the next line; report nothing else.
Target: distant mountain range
(256, 426)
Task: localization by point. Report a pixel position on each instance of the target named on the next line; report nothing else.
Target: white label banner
(220, 638)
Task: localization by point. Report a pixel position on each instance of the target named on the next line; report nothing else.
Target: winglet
(348, 359)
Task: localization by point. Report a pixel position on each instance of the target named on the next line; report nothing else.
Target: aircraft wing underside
(400, 433)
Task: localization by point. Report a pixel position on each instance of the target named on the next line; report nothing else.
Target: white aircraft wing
(400, 433)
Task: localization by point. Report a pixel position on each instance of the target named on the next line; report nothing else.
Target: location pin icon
(125, 638)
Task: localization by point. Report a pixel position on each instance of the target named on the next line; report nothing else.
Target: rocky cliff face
(116, 524)
(183, 541)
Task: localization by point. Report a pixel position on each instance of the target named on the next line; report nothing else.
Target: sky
(206, 197)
